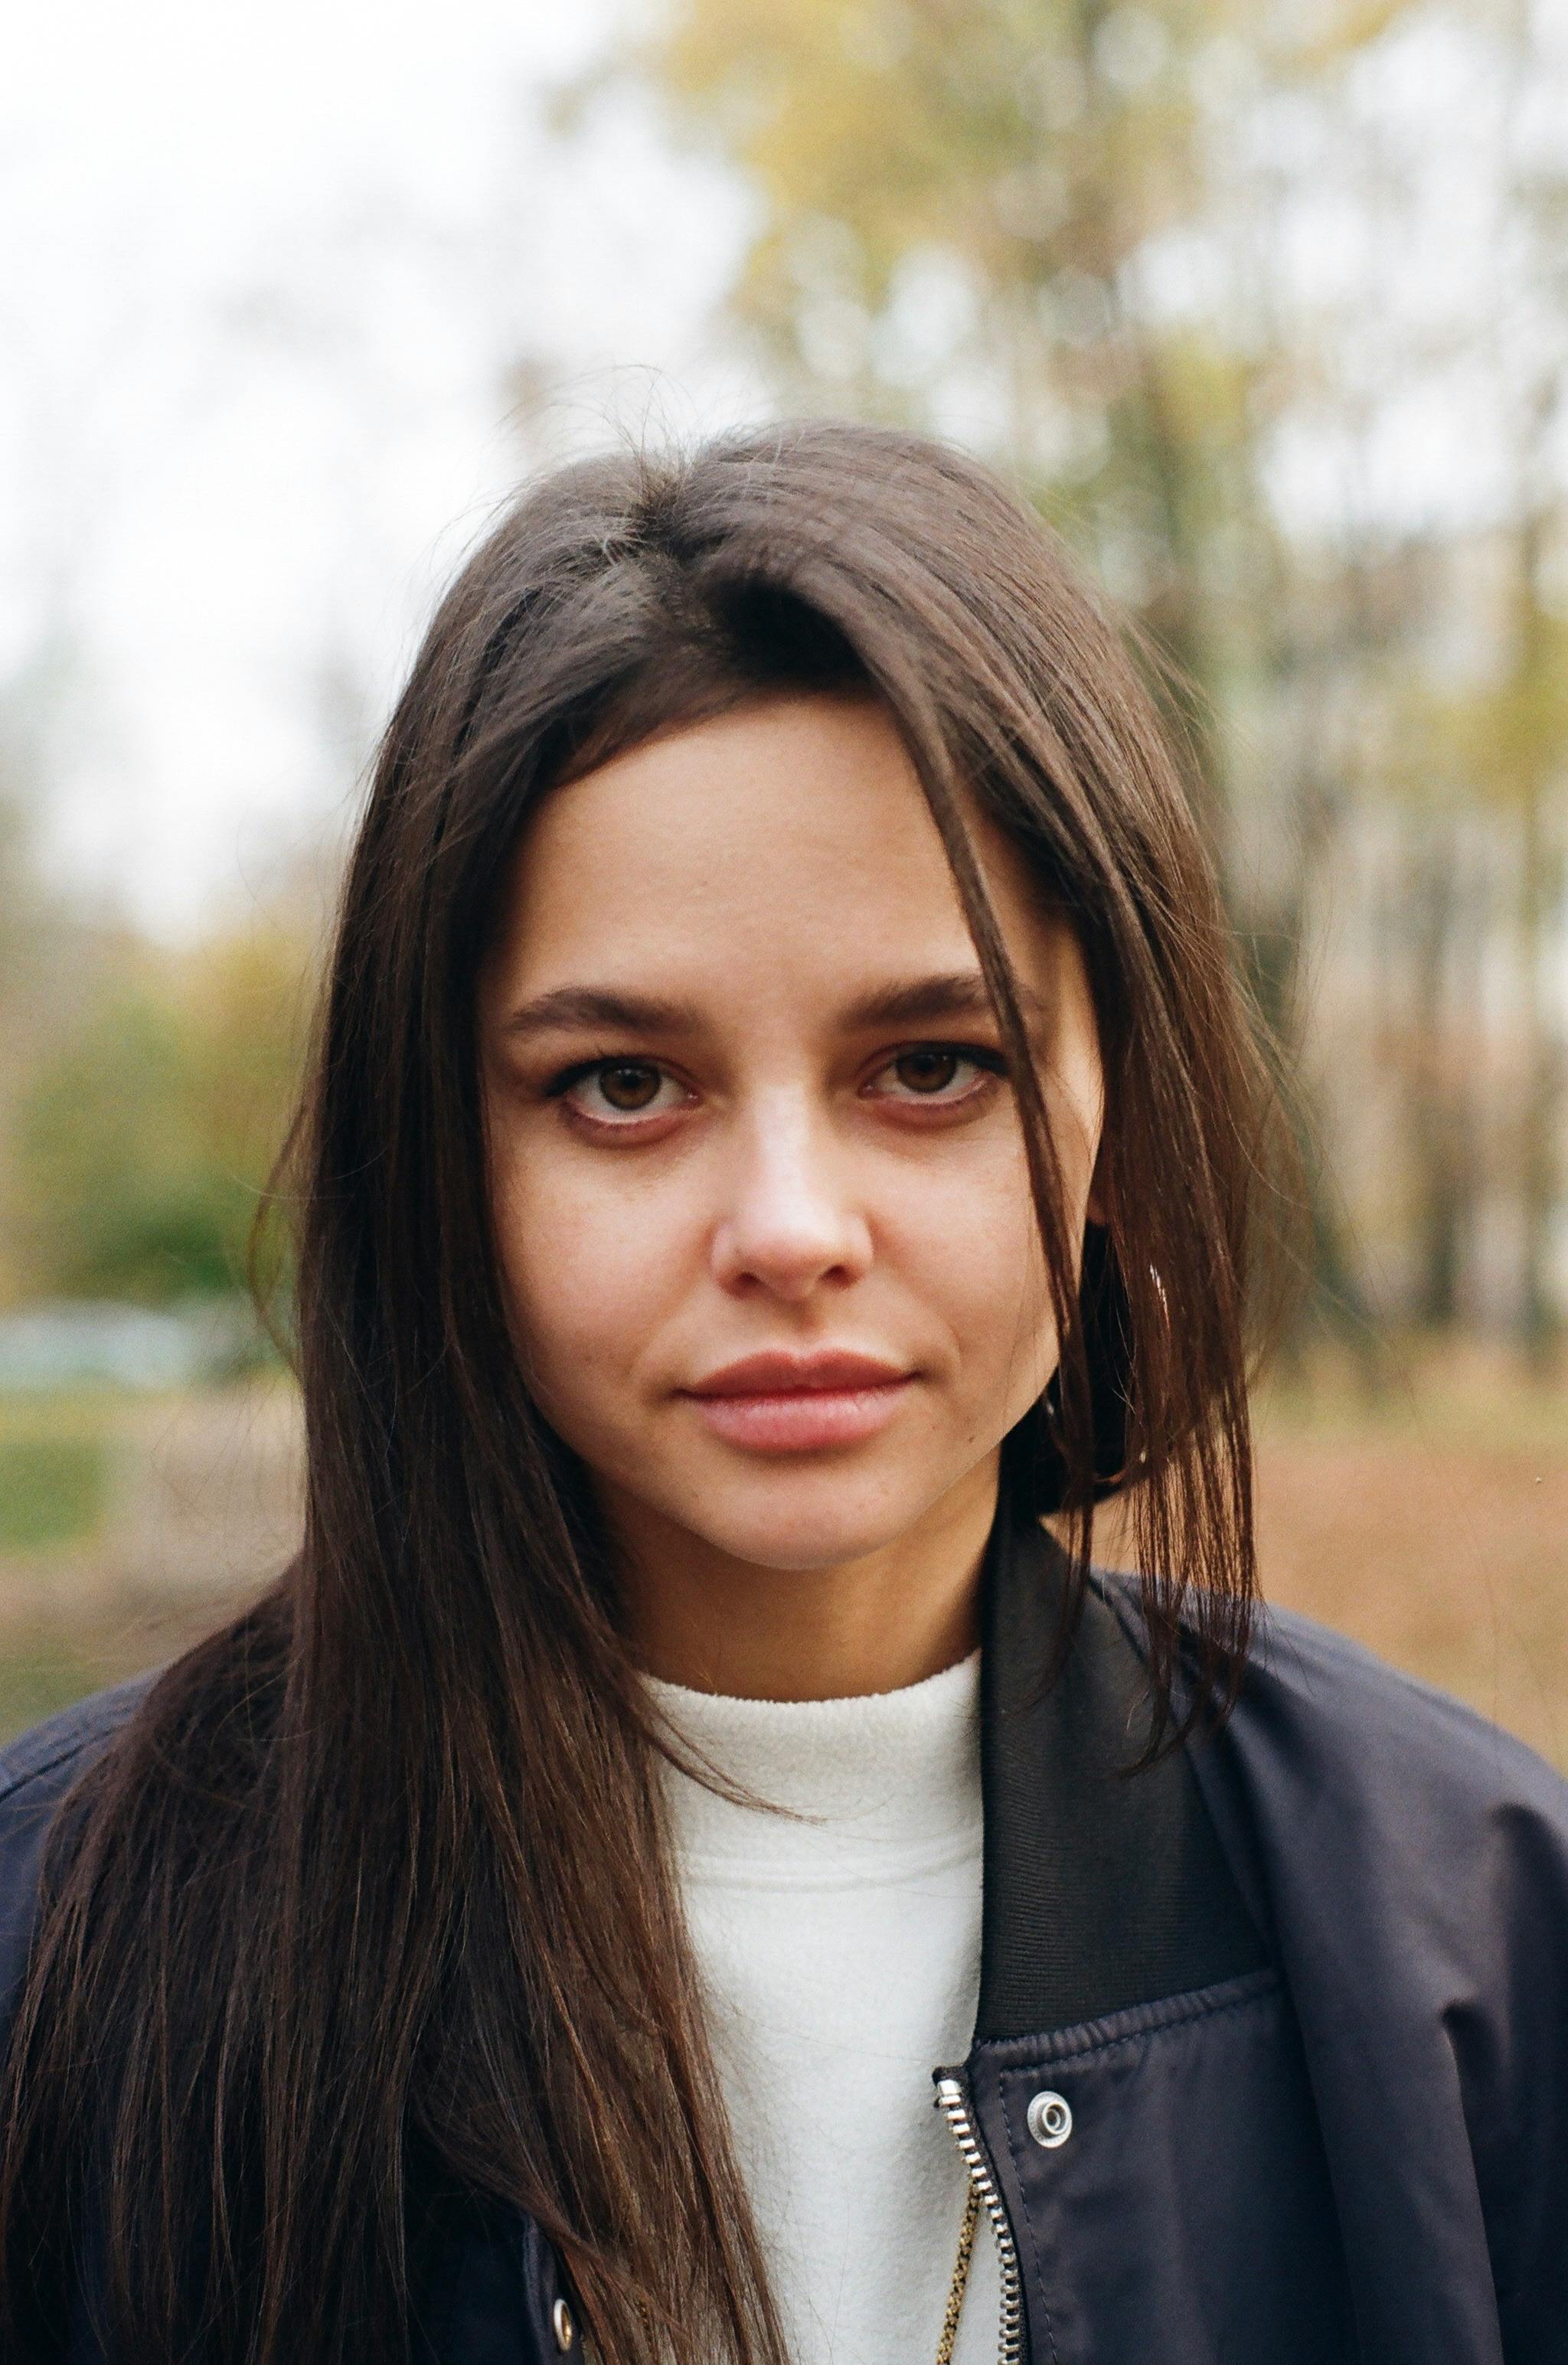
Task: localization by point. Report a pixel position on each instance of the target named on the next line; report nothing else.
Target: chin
(812, 1525)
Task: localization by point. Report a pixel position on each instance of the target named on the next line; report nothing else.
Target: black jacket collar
(1102, 1888)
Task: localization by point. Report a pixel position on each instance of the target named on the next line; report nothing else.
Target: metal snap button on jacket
(1049, 2119)
(561, 2319)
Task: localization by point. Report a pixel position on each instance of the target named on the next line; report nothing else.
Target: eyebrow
(591, 1005)
(910, 1002)
(963, 993)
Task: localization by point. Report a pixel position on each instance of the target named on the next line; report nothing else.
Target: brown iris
(925, 1071)
(627, 1087)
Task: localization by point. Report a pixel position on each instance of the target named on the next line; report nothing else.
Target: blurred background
(1266, 305)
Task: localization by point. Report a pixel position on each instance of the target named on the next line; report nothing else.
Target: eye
(928, 1070)
(627, 1088)
(619, 1092)
(944, 1074)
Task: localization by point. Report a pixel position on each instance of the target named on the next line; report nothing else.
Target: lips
(778, 1403)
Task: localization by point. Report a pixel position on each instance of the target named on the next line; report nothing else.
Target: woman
(783, 1125)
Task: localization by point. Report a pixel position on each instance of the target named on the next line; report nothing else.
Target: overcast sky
(289, 299)
(264, 279)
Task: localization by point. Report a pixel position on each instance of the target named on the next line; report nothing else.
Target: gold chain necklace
(950, 2314)
(960, 2282)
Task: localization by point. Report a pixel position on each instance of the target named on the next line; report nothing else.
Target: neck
(699, 1616)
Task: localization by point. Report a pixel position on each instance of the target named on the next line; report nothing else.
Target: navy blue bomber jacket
(1298, 1996)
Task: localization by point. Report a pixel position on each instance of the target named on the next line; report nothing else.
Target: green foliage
(53, 1488)
(949, 192)
(143, 1140)
(42, 1670)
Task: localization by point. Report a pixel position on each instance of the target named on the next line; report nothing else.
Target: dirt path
(1452, 1563)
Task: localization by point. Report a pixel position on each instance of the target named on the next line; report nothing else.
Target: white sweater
(841, 1958)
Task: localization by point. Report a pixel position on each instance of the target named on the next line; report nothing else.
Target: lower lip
(802, 1421)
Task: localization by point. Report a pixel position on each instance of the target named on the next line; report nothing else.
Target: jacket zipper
(954, 2105)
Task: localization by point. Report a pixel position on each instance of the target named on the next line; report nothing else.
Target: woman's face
(758, 1179)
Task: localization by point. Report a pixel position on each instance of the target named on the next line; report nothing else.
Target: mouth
(799, 1404)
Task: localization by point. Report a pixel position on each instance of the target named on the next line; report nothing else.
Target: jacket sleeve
(1412, 1861)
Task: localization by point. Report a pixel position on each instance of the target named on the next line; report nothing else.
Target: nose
(791, 1220)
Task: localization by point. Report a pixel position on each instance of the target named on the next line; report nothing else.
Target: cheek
(590, 1276)
(973, 1256)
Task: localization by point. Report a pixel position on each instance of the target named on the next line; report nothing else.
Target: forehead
(791, 836)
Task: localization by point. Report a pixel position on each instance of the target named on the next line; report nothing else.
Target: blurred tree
(144, 1138)
(1532, 734)
(1475, 754)
(1013, 217)
(50, 950)
(1511, 739)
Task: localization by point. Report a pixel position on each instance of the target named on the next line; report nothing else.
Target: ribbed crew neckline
(888, 1780)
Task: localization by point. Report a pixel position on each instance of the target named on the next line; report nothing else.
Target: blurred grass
(54, 1475)
(46, 1667)
(57, 1455)
(48, 1662)
(129, 1525)
(1469, 1397)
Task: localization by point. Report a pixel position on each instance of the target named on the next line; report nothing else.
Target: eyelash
(977, 1055)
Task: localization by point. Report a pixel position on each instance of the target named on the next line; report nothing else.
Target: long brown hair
(370, 1903)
